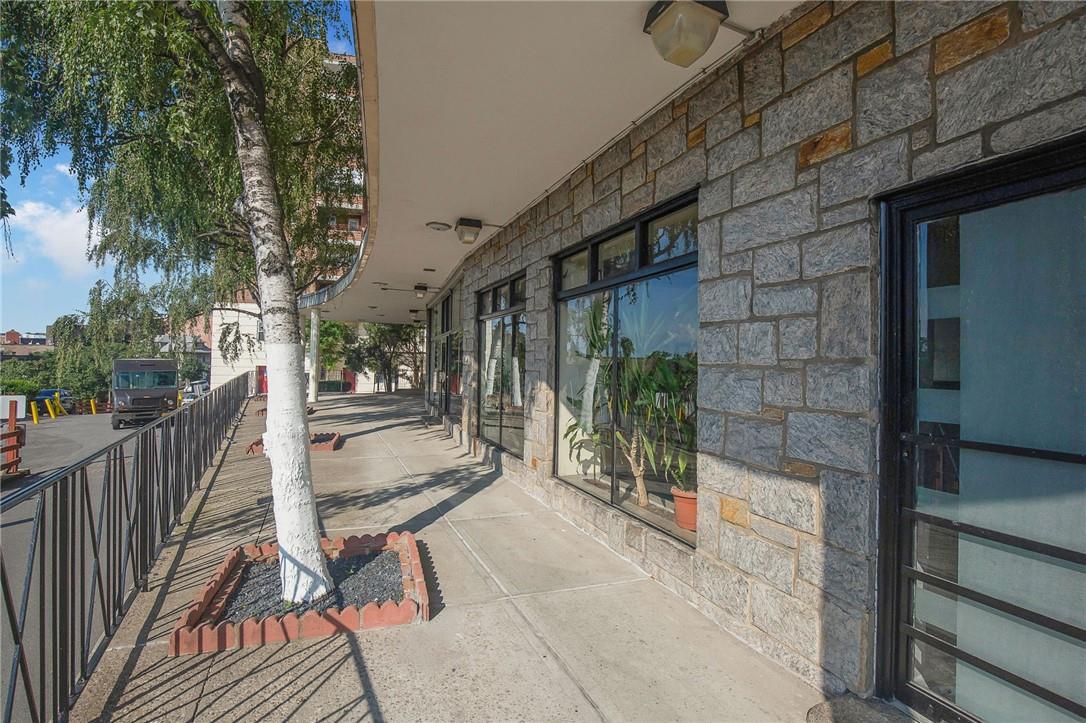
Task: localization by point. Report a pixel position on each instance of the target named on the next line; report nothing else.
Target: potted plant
(652, 408)
(677, 434)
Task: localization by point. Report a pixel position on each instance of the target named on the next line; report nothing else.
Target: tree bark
(303, 570)
(314, 355)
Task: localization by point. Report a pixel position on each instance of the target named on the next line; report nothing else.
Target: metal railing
(82, 541)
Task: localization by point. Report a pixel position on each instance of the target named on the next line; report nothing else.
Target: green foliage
(653, 401)
(335, 341)
(129, 89)
(17, 385)
(27, 376)
(191, 369)
(384, 349)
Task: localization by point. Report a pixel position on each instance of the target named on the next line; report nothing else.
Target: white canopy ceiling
(476, 108)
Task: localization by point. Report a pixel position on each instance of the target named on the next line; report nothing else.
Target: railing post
(147, 478)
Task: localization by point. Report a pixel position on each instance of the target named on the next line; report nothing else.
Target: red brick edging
(263, 411)
(198, 630)
(318, 442)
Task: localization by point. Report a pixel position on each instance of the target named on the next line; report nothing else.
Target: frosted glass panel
(1001, 360)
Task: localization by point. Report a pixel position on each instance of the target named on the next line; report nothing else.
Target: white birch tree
(210, 140)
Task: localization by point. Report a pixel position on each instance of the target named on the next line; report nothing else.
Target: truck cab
(143, 390)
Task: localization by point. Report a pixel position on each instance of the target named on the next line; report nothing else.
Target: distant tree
(384, 349)
(205, 136)
(27, 376)
(335, 340)
(191, 369)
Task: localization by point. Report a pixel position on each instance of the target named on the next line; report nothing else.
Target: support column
(314, 353)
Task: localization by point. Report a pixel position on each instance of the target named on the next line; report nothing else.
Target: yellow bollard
(34, 411)
(49, 408)
(57, 404)
(94, 407)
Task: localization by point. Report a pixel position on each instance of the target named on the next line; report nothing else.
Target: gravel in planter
(359, 580)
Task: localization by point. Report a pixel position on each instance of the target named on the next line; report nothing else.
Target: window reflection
(583, 388)
(656, 391)
(502, 390)
(574, 271)
(650, 392)
(674, 235)
(491, 392)
(618, 255)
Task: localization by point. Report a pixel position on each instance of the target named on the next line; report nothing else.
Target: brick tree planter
(199, 630)
(263, 411)
(318, 442)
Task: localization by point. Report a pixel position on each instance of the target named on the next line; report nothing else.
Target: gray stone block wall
(788, 143)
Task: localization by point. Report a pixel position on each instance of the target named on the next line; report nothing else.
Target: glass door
(989, 621)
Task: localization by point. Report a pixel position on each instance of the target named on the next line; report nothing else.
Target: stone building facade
(788, 143)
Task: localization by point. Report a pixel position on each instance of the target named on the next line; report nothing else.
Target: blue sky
(49, 274)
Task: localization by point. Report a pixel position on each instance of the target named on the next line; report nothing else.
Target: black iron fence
(79, 543)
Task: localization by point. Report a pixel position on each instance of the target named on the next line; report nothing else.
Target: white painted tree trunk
(515, 383)
(314, 354)
(303, 570)
(588, 402)
(492, 360)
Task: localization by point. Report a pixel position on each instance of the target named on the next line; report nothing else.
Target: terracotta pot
(686, 508)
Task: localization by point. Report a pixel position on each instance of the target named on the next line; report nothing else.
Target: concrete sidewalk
(532, 619)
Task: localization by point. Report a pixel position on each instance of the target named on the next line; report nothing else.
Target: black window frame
(1048, 168)
(482, 317)
(642, 271)
(442, 399)
(642, 268)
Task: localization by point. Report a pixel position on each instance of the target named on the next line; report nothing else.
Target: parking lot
(56, 443)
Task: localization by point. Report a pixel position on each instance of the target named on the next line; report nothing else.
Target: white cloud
(57, 234)
(63, 169)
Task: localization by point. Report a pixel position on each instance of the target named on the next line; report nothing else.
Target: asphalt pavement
(56, 443)
(51, 446)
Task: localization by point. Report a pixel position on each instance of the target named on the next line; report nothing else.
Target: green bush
(19, 386)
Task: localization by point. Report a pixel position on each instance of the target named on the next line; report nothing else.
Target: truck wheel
(115, 423)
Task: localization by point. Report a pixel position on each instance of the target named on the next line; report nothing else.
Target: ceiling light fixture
(437, 226)
(468, 230)
(420, 290)
(682, 30)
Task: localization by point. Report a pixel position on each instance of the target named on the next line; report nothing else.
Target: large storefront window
(988, 415)
(627, 369)
(446, 350)
(502, 346)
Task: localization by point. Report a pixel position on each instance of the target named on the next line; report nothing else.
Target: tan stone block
(772, 413)
(752, 119)
(874, 58)
(826, 145)
(971, 40)
(735, 510)
(800, 469)
(695, 136)
(806, 25)
(638, 150)
(678, 110)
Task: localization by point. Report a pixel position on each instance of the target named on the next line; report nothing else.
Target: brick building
(833, 283)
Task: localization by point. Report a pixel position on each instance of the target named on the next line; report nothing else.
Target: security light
(682, 30)
(468, 230)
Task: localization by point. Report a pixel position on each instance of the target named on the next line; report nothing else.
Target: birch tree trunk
(492, 361)
(303, 572)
